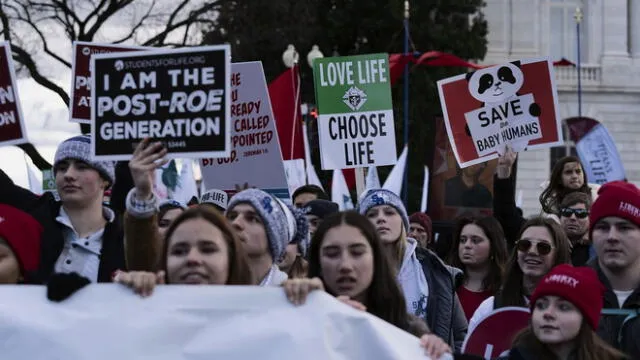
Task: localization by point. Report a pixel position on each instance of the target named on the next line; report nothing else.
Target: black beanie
(320, 208)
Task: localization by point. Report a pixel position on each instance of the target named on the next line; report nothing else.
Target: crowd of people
(576, 265)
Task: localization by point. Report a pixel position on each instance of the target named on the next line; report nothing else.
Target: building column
(615, 30)
(634, 19)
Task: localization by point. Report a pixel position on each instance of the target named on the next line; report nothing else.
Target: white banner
(108, 322)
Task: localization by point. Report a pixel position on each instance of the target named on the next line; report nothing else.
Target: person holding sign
(429, 286)
(542, 245)
(19, 245)
(80, 234)
(347, 259)
(265, 225)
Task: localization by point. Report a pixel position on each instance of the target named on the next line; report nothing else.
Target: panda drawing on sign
(497, 85)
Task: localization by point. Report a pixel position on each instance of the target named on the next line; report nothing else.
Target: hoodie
(413, 282)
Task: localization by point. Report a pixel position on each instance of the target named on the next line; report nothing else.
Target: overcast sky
(46, 115)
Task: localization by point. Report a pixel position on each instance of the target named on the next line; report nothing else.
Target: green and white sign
(355, 122)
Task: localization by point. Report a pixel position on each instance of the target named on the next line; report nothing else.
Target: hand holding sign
(146, 159)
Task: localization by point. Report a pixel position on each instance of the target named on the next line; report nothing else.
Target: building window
(567, 149)
(563, 38)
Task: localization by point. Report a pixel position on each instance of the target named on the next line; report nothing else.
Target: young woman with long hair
(429, 286)
(565, 311)
(541, 245)
(346, 258)
(200, 248)
(480, 250)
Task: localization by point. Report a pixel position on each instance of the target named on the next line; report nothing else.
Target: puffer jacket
(445, 316)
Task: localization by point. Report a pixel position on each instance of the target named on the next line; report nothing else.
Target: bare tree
(32, 26)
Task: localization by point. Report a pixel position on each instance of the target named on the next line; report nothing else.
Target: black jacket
(45, 209)
(445, 316)
(621, 334)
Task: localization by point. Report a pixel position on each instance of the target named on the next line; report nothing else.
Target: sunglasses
(579, 213)
(543, 248)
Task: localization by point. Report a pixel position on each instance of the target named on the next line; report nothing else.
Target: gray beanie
(79, 148)
(279, 222)
(376, 197)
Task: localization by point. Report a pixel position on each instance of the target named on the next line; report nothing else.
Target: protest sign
(179, 97)
(80, 96)
(255, 150)
(513, 104)
(597, 150)
(355, 122)
(12, 129)
(107, 322)
(493, 335)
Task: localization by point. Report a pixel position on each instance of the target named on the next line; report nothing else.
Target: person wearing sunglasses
(541, 245)
(574, 218)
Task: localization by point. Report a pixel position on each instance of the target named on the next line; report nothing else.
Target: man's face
(575, 220)
(250, 229)
(78, 184)
(303, 198)
(314, 221)
(617, 244)
(419, 233)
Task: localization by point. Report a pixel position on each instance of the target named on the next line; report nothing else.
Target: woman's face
(474, 248)
(533, 243)
(346, 262)
(572, 176)
(9, 266)
(555, 320)
(197, 254)
(167, 219)
(387, 221)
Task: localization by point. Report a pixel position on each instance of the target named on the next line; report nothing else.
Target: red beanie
(422, 219)
(617, 198)
(22, 233)
(578, 285)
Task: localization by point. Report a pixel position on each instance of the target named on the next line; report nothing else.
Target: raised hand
(505, 163)
(146, 159)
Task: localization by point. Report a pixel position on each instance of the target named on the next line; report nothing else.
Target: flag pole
(405, 187)
(578, 17)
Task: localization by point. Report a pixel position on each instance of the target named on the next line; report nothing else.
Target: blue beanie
(279, 221)
(79, 148)
(377, 197)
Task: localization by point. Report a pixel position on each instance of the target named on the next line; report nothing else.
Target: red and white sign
(80, 104)
(12, 130)
(513, 104)
(492, 336)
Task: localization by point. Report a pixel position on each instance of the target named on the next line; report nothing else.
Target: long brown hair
(384, 298)
(512, 291)
(299, 268)
(555, 191)
(497, 254)
(239, 271)
(589, 346)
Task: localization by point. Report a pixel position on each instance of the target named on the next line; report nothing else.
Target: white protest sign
(107, 322)
(255, 151)
(355, 122)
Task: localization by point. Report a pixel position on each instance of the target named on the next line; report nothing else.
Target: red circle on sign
(493, 334)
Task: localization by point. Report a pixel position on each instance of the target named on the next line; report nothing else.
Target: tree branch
(137, 26)
(113, 8)
(35, 156)
(25, 59)
(193, 18)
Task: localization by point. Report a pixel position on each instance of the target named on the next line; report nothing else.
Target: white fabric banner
(108, 322)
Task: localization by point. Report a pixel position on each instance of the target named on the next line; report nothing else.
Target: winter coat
(506, 211)
(621, 333)
(45, 209)
(445, 316)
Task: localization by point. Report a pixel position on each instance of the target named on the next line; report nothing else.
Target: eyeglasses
(579, 213)
(543, 248)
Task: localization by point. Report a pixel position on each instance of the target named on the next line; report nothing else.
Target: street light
(290, 57)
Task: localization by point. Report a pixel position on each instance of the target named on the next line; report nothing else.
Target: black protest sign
(12, 127)
(179, 97)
